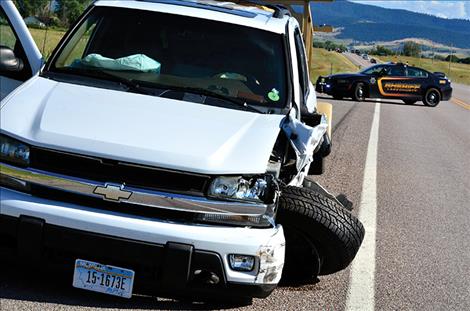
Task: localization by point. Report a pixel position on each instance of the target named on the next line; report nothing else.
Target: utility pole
(433, 53)
(451, 56)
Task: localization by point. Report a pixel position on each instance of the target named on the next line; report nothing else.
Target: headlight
(13, 151)
(256, 190)
(240, 189)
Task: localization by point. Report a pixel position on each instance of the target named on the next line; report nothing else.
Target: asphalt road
(357, 60)
(421, 252)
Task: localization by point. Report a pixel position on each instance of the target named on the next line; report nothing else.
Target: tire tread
(334, 227)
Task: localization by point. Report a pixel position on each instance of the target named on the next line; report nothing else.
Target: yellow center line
(461, 103)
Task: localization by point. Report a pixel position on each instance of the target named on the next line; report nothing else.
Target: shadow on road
(53, 287)
(387, 102)
(45, 287)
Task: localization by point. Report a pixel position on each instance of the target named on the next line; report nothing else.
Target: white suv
(152, 149)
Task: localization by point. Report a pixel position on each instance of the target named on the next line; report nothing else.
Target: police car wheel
(409, 101)
(359, 92)
(432, 98)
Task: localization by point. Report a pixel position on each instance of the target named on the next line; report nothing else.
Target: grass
(46, 41)
(326, 63)
(459, 73)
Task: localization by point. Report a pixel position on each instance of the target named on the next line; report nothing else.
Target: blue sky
(442, 8)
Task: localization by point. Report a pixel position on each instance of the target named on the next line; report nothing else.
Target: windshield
(377, 70)
(177, 54)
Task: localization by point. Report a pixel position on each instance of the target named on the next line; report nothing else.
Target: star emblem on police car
(112, 192)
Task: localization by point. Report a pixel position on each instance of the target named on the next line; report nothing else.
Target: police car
(391, 81)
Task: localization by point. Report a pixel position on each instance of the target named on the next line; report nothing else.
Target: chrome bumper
(131, 195)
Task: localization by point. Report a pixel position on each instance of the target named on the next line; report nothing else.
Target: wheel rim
(432, 98)
(360, 92)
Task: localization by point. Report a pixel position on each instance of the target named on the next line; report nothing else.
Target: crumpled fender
(304, 139)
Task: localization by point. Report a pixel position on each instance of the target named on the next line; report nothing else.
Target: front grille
(104, 170)
(119, 207)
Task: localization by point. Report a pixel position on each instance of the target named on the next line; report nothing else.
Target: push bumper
(323, 85)
(446, 93)
(169, 259)
(330, 87)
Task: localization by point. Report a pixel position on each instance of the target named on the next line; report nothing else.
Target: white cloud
(446, 9)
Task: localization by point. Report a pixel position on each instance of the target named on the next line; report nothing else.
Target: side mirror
(8, 60)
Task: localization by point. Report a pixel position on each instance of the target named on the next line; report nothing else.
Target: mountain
(368, 23)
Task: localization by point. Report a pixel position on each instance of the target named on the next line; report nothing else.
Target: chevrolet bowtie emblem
(113, 192)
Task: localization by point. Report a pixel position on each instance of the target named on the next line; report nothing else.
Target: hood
(346, 75)
(140, 129)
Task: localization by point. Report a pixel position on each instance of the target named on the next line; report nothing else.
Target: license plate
(103, 279)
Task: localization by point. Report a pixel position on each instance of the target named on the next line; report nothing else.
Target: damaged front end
(300, 148)
(260, 193)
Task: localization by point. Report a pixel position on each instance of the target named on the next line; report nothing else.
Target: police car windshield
(377, 70)
(180, 52)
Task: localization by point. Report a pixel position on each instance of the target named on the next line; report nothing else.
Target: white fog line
(361, 293)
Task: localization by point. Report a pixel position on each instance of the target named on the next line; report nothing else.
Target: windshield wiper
(136, 86)
(128, 84)
(200, 91)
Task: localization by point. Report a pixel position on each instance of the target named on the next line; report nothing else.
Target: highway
(413, 196)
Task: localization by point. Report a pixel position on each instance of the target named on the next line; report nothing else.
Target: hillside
(367, 23)
(326, 63)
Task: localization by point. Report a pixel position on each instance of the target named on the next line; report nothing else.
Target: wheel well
(366, 88)
(432, 87)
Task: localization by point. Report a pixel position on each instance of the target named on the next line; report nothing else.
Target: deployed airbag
(137, 62)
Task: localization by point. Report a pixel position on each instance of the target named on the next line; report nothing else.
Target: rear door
(396, 84)
(20, 58)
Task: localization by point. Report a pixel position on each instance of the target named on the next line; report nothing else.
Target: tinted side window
(416, 73)
(8, 38)
(302, 63)
(397, 71)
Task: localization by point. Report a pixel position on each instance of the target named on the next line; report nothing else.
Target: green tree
(454, 58)
(32, 7)
(381, 51)
(70, 10)
(411, 48)
(465, 60)
(318, 44)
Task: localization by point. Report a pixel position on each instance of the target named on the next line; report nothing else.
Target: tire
(318, 228)
(432, 98)
(409, 101)
(359, 94)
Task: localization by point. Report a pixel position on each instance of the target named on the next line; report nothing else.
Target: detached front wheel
(322, 237)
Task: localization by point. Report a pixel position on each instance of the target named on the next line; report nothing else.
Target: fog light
(241, 262)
